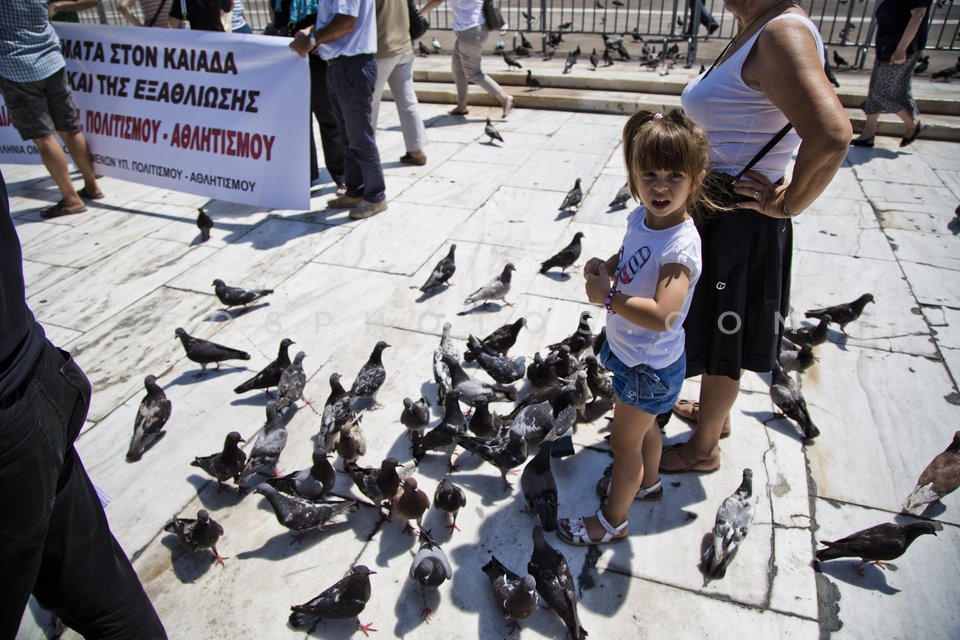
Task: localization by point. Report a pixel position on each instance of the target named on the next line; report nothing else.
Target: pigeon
(580, 340)
(787, 397)
(540, 488)
(842, 314)
(555, 583)
(839, 61)
(565, 257)
(573, 197)
(495, 289)
(430, 569)
(511, 60)
(939, 478)
(371, 376)
(345, 599)
(562, 360)
(504, 452)
(532, 82)
(377, 483)
(336, 409)
(548, 389)
(205, 352)
(730, 528)
(565, 25)
(196, 534)
(470, 388)
(267, 448)
(442, 272)
(523, 41)
(441, 372)
(436, 45)
(415, 415)
(620, 200)
(445, 433)
(799, 359)
(923, 63)
(809, 335)
(569, 62)
(483, 423)
(269, 376)
(422, 49)
(500, 46)
(554, 416)
(594, 59)
(491, 131)
(153, 413)
(601, 385)
(227, 463)
(501, 368)
(449, 498)
(204, 223)
(886, 541)
(350, 443)
(236, 296)
(501, 339)
(514, 597)
(411, 504)
(298, 514)
(828, 71)
(946, 74)
(312, 483)
(607, 58)
(291, 384)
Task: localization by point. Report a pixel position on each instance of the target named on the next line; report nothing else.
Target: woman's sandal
(676, 460)
(653, 492)
(457, 111)
(690, 411)
(905, 140)
(575, 532)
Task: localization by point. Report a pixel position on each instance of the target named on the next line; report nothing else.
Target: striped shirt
(29, 47)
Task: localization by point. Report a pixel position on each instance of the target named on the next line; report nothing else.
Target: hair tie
(658, 116)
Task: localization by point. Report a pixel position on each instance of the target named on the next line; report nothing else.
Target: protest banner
(221, 115)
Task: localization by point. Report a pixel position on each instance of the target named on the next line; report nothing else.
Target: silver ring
(756, 195)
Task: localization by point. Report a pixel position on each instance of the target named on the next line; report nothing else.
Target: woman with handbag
(763, 100)
(901, 37)
(471, 29)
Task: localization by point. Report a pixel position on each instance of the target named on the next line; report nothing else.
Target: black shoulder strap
(773, 141)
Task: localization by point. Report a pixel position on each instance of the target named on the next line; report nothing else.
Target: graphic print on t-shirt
(629, 269)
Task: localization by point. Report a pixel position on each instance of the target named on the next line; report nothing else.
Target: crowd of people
(696, 289)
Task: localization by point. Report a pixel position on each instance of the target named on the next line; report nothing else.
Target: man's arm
(128, 15)
(70, 5)
(307, 39)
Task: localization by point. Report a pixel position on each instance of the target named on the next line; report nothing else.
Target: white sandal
(575, 532)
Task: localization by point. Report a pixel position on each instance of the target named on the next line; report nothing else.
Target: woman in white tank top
(770, 75)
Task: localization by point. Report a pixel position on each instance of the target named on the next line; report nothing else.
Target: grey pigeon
(500, 339)
(876, 544)
(415, 415)
(350, 443)
(540, 488)
(809, 335)
(196, 534)
(842, 314)
(504, 452)
(501, 368)
(594, 59)
(444, 435)
(532, 82)
(345, 599)
(411, 504)
(569, 62)
(511, 60)
(562, 361)
(491, 131)
(430, 569)
(204, 223)
(601, 385)
(422, 49)
(495, 289)
(536, 370)
(555, 583)
(730, 528)
(269, 376)
(312, 483)
(940, 477)
(298, 514)
(556, 415)
(225, 464)
(336, 409)
(291, 384)
(549, 388)
(471, 388)
(441, 372)
(442, 272)
(371, 376)
(449, 498)
(483, 423)
(153, 413)
(580, 340)
(786, 395)
(799, 359)
(620, 199)
(204, 352)
(573, 197)
(236, 296)
(514, 597)
(565, 257)
(377, 483)
(267, 448)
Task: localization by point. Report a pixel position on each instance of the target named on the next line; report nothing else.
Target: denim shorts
(642, 387)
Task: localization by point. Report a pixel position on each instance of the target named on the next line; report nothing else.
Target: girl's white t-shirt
(642, 255)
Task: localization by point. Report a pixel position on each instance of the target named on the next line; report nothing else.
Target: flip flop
(677, 460)
(458, 112)
(58, 210)
(88, 195)
(905, 140)
(575, 532)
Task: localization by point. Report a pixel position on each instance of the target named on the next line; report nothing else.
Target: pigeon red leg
(218, 558)
(366, 628)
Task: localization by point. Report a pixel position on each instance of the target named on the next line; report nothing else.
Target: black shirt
(21, 338)
(893, 16)
(203, 15)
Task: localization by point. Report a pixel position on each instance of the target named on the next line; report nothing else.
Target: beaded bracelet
(608, 301)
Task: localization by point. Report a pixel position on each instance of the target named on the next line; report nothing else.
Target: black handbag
(418, 24)
(492, 15)
(887, 44)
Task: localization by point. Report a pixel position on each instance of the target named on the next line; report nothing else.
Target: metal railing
(841, 22)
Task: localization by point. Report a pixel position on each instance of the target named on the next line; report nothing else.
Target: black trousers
(54, 538)
(330, 137)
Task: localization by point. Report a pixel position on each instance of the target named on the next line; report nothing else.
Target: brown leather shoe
(343, 202)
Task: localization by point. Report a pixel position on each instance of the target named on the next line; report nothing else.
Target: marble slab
(950, 178)
(945, 323)
(844, 186)
(592, 137)
(465, 185)
(936, 250)
(38, 276)
(821, 229)
(545, 170)
(895, 168)
(595, 208)
(514, 150)
(929, 284)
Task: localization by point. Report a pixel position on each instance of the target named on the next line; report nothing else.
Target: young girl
(646, 288)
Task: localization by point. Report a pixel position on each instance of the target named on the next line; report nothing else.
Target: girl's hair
(671, 142)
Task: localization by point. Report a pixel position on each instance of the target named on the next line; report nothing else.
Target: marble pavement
(112, 284)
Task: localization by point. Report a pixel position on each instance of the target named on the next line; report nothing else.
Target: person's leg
(336, 87)
(331, 138)
(80, 152)
(471, 49)
(63, 113)
(385, 67)
(55, 160)
(408, 108)
(459, 75)
(355, 97)
(717, 396)
(870, 127)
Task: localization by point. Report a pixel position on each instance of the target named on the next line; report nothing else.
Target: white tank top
(740, 120)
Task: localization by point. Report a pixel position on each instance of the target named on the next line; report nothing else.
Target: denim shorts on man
(652, 390)
(38, 109)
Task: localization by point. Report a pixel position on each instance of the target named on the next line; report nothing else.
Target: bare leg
(80, 152)
(55, 160)
(870, 126)
(909, 122)
(717, 395)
